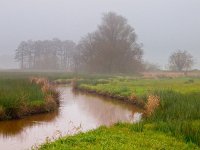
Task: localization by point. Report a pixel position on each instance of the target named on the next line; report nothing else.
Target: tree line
(111, 48)
(49, 54)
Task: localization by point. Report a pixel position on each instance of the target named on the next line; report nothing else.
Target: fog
(161, 26)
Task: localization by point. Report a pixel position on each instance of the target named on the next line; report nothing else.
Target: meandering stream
(77, 112)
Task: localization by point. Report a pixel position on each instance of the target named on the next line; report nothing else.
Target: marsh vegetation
(171, 109)
(170, 105)
(129, 101)
(20, 97)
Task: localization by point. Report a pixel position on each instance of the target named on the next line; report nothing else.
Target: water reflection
(107, 111)
(14, 127)
(76, 110)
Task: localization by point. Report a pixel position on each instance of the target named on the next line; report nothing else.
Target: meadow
(171, 105)
(176, 115)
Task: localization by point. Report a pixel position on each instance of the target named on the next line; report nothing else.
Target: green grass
(140, 87)
(19, 97)
(179, 102)
(120, 137)
(179, 115)
(18, 93)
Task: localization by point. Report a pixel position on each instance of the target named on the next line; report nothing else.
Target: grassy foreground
(20, 97)
(173, 124)
(120, 137)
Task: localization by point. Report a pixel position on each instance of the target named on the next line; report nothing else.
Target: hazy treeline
(49, 54)
(111, 48)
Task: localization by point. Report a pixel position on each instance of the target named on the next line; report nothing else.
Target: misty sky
(161, 25)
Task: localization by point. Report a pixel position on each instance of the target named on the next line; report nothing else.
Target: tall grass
(20, 97)
(178, 114)
(16, 94)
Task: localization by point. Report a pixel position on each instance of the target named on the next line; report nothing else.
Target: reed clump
(178, 115)
(133, 97)
(152, 103)
(20, 97)
(49, 90)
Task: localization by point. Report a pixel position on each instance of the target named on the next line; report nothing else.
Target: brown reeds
(153, 102)
(39, 81)
(49, 90)
(133, 97)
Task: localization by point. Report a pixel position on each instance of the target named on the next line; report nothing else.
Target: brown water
(78, 112)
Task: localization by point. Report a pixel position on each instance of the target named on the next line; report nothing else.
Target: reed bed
(178, 115)
(20, 97)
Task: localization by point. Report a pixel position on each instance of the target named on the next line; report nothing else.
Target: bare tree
(21, 54)
(49, 54)
(181, 61)
(66, 54)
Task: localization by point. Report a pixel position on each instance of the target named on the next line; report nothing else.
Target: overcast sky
(161, 25)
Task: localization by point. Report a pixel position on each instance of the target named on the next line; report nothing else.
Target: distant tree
(180, 61)
(21, 54)
(112, 48)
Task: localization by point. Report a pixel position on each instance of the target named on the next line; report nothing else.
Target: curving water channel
(77, 112)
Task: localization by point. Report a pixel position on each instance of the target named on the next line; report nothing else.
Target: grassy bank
(176, 118)
(178, 113)
(20, 97)
(120, 136)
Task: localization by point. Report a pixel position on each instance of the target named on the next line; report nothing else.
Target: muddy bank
(131, 100)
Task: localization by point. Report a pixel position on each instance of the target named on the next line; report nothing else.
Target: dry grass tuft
(136, 100)
(52, 95)
(39, 81)
(133, 97)
(153, 102)
(46, 88)
(51, 104)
